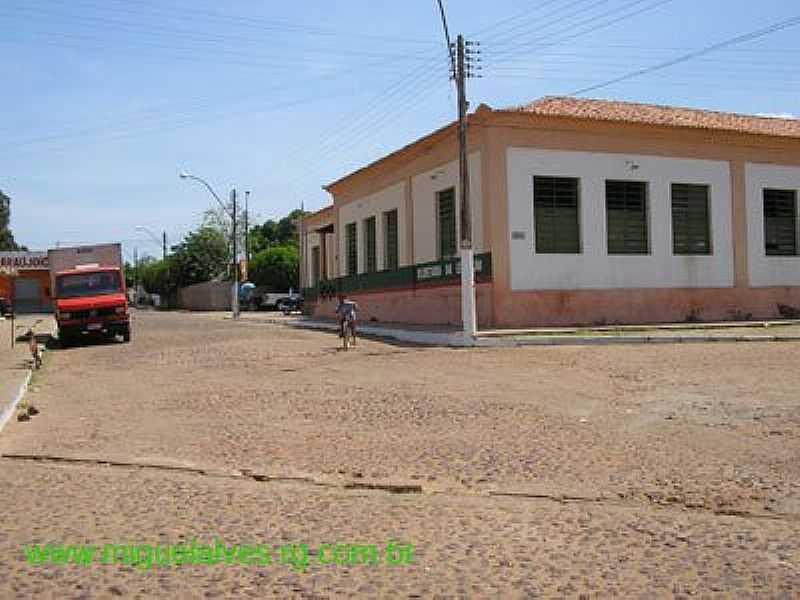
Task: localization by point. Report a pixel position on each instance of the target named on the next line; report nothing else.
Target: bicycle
(348, 331)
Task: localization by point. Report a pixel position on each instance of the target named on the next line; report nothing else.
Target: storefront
(25, 281)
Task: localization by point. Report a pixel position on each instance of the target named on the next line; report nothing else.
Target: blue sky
(106, 100)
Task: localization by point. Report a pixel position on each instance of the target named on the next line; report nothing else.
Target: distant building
(25, 280)
(583, 211)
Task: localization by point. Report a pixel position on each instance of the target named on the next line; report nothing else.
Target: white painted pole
(468, 314)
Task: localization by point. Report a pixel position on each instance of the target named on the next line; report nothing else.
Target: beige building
(583, 212)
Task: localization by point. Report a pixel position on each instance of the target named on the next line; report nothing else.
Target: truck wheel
(126, 334)
(64, 341)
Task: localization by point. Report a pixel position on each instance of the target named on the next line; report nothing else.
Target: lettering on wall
(24, 261)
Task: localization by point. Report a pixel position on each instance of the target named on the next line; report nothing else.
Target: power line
(689, 56)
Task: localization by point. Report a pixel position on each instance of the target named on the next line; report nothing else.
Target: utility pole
(247, 229)
(135, 276)
(461, 72)
(164, 245)
(235, 298)
(461, 56)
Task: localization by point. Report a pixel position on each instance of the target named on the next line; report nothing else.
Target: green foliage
(276, 268)
(201, 256)
(7, 241)
(275, 233)
(155, 276)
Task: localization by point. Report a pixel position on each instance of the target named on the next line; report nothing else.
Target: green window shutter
(556, 215)
(446, 210)
(352, 248)
(780, 222)
(391, 249)
(626, 217)
(691, 222)
(370, 253)
(315, 266)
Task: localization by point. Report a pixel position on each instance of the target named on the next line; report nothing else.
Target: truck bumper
(75, 330)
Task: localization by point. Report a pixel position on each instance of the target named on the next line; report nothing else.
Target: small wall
(609, 307)
(211, 295)
(435, 305)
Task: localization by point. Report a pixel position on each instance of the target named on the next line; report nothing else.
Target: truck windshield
(88, 284)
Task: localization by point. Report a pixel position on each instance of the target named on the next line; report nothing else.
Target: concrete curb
(11, 408)
(626, 340)
(427, 338)
(458, 340)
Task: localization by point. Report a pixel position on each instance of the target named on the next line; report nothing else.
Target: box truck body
(88, 288)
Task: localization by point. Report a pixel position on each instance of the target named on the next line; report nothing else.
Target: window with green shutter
(626, 217)
(446, 213)
(691, 223)
(780, 222)
(555, 215)
(315, 266)
(391, 253)
(351, 247)
(370, 252)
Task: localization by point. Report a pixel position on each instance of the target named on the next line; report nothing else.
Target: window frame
(316, 265)
(370, 225)
(351, 248)
(794, 218)
(537, 221)
(451, 191)
(392, 215)
(709, 230)
(647, 250)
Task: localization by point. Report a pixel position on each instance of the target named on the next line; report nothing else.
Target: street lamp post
(232, 215)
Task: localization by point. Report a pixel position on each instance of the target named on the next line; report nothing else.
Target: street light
(232, 215)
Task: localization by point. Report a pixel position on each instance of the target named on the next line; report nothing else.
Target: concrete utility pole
(468, 313)
(135, 276)
(247, 230)
(235, 299)
(460, 58)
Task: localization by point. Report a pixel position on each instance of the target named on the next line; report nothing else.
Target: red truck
(88, 290)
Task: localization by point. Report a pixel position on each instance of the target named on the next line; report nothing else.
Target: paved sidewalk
(670, 333)
(15, 363)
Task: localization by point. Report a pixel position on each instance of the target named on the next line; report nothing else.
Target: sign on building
(24, 261)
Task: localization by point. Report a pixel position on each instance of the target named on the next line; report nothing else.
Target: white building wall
(763, 270)
(375, 205)
(423, 190)
(594, 268)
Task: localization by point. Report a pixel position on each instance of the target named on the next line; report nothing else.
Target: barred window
(780, 222)
(446, 211)
(391, 252)
(626, 214)
(370, 253)
(691, 224)
(555, 215)
(351, 247)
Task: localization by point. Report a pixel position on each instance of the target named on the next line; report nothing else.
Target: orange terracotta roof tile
(653, 114)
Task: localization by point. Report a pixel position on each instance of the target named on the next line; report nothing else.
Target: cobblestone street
(528, 472)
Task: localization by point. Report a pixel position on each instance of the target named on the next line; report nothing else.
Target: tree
(201, 256)
(276, 233)
(7, 241)
(276, 268)
(155, 276)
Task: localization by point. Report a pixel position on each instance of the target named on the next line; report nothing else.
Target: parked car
(290, 304)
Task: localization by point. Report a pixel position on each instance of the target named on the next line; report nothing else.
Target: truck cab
(90, 300)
